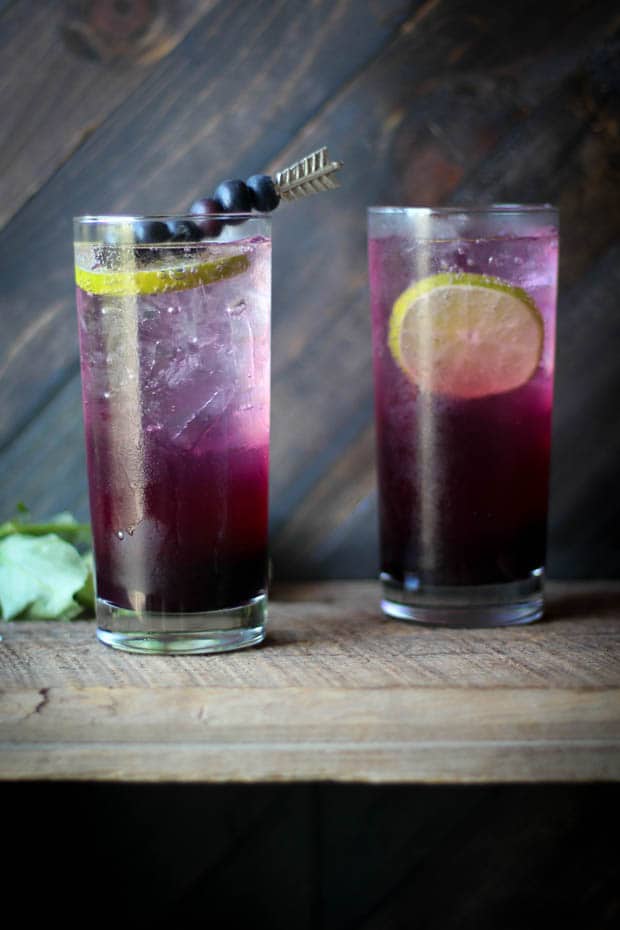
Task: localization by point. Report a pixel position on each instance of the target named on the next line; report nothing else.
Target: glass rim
(450, 210)
(110, 218)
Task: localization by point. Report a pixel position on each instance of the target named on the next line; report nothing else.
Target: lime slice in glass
(466, 335)
(158, 280)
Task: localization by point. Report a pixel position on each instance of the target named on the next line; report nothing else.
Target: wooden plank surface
(437, 101)
(336, 693)
(88, 61)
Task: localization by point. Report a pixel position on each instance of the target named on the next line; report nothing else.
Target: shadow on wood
(328, 858)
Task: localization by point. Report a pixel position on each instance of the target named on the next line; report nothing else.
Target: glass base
(182, 634)
(507, 604)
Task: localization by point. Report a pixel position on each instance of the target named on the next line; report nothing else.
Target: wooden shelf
(336, 693)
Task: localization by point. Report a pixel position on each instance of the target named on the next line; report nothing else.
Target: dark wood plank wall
(141, 106)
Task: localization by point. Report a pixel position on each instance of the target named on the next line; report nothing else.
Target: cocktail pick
(311, 175)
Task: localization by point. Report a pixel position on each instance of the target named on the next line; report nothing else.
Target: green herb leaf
(39, 577)
(63, 524)
(86, 595)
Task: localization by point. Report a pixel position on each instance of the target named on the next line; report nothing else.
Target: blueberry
(234, 197)
(184, 231)
(264, 192)
(209, 227)
(147, 231)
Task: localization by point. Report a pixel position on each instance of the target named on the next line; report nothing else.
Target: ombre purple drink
(463, 366)
(174, 342)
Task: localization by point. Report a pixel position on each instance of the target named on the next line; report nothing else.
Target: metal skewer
(310, 175)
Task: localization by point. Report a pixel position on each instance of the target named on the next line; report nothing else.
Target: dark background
(139, 106)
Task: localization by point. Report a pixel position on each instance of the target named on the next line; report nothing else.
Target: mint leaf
(86, 595)
(63, 524)
(39, 576)
(66, 526)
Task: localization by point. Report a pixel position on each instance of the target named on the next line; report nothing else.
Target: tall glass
(175, 361)
(463, 314)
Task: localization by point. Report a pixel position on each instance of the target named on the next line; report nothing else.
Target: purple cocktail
(174, 343)
(463, 312)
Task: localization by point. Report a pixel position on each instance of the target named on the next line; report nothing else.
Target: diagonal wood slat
(208, 110)
(51, 109)
(429, 102)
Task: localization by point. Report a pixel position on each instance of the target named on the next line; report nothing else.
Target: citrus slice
(134, 281)
(466, 335)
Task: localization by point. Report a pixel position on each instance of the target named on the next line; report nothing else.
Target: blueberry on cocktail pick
(234, 197)
(202, 210)
(184, 231)
(311, 175)
(265, 198)
(148, 231)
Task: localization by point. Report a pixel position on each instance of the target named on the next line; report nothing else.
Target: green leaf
(67, 527)
(39, 576)
(63, 524)
(86, 595)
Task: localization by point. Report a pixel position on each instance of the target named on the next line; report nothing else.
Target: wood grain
(410, 113)
(425, 102)
(440, 100)
(336, 693)
(206, 111)
(51, 109)
(584, 531)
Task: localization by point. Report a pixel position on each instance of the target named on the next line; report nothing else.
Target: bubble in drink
(174, 449)
(463, 348)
